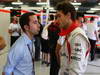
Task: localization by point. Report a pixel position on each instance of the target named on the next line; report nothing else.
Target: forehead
(33, 17)
(14, 16)
(60, 13)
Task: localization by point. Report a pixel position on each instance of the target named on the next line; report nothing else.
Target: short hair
(24, 19)
(67, 7)
(92, 19)
(51, 17)
(79, 14)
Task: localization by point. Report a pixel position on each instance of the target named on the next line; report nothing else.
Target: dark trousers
(93, 47)
(54, 66)
(37, 48)
(13, 39)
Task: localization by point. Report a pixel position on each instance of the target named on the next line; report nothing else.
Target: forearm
(58, 47)
(96, 33)
(3, 73)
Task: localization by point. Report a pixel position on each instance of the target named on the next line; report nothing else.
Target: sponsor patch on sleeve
(77, 44)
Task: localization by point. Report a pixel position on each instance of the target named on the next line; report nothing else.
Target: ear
(69, 15)
(26, 27)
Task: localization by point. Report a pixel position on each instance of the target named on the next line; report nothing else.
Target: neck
(29, 35)
(68, 24)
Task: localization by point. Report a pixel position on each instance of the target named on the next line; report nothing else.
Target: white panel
(4, 23)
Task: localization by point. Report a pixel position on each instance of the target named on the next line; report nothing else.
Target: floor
(92, 69)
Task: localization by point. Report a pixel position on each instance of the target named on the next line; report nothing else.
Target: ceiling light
(89, 11)
(74, 3)
(41, 3)
(17, 3)
(98, 3)
(8, 7)
(95, 9)
(51, 8)
(76, 8)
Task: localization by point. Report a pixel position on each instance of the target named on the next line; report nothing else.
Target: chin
(36, 33)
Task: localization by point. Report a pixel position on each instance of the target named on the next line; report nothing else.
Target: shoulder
(11, 24)
(19, 46)
(80, 39)
(78, 34)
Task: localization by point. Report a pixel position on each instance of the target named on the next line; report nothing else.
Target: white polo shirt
(91, 28)
(14, 27)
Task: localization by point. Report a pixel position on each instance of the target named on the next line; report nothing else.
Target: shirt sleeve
(14, 57)
(10, 26)
(61, 40)
(79, 58)
(19, 27)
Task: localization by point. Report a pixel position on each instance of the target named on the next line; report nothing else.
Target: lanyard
(31, 54)
(31, 51)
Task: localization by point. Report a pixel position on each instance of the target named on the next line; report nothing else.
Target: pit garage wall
(4, 24)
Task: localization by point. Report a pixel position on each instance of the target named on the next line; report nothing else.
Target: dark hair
(67, 7)
(92, 19)
(51, 17)
(79, 14)
(24, 19)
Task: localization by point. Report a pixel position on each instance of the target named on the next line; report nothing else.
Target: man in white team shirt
(73, 46)
(92, 35)
(14, 29)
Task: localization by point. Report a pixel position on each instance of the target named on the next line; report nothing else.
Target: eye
(35, 22)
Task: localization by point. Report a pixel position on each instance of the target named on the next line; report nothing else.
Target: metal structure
(86, 5)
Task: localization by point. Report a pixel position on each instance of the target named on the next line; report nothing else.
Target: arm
(58, 48)
(96, 33)
(79, 56)
(14, 57)
(3, 73)
(10, 31)
(19, 29)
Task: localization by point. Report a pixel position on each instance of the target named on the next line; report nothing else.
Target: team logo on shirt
(77, 49)
(77, 44)
(75, 58)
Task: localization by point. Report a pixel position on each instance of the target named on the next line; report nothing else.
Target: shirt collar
(69, 29)
(27, 40)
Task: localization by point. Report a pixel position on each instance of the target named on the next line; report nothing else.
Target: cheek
(60, 20)
(35, 28)
(32, 28)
